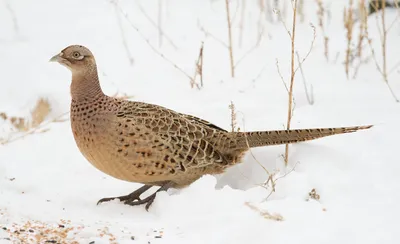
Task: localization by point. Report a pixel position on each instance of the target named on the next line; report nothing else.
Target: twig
(150, 45)
(253, 48)
(207, 34)
(273, 181)
(158, 26)
(230, 38)
(310, 97)
(241, 25)
(382, 70)
(349, 23)
(13, 16)
(259, 73)
(281, 76)
(363, 24)
(233, 117)
(394, 68)
(128, 52)
(160, 32)
(265, 214)
(290, 99)
(310, 49)
(199, 69)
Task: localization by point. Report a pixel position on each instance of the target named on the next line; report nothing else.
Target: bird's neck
(85, 85)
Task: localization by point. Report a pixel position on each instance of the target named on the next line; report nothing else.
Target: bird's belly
(133, 164)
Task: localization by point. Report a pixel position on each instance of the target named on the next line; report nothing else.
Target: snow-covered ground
(46, 183)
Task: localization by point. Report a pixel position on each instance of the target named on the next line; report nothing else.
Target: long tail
(267, 138)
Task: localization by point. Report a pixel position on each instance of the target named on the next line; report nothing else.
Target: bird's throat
(85, 86)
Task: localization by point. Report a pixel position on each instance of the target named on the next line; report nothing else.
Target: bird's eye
(76, 55)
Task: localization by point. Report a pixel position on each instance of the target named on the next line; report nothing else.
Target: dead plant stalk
(349, 23)
(228, 16)
(290, 99)
(383, 36)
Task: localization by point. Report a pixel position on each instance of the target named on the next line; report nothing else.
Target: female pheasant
(153, 145)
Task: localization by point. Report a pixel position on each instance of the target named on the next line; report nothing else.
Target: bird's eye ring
(76, 55)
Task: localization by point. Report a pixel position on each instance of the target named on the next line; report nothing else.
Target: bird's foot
(127, 198)
(133, 199)
(148, 201)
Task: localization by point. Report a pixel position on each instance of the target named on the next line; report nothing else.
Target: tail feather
(267, 138)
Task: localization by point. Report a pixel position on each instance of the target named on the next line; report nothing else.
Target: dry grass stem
(281, 76)
(383, 37)
(13, 16)
(208, 34)
(363, 25)
(126, 46)
(228, 18)
(241, 24)
(199, 70)
(300, 10)
(265, 214)
(309, 50)
(40, 112)
(260, 73)
(271, 181)
(290, 97)
(321, 16)
(253, 48)
(396, 5)
(348, 24)
(159, 21)
(150, 45)
(268, 10)
(233, 116)
(309, 95)
(158, 26)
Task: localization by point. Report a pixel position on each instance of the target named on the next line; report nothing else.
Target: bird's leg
(150, 199)
(128, 198)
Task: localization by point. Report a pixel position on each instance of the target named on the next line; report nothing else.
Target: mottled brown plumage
(153, 145)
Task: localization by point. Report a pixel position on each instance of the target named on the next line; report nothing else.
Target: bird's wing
(189, 139)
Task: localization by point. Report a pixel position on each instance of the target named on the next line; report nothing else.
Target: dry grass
(199, 70)
(363, 26)
(290, 97)
(265, 214)
(383, 29)
(321, 16)
(348, 24)
(309, 95)
(34, 124)
(233, 117)
(228, 19)
(39, 113)
(13, 17)
(289, 89)
(148, 41)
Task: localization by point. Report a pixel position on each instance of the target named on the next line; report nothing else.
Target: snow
(45, 180)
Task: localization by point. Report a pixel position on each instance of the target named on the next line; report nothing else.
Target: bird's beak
(57, 58)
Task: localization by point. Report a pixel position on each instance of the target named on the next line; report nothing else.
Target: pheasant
(153, 145)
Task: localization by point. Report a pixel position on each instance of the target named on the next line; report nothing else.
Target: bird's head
(76, 58)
